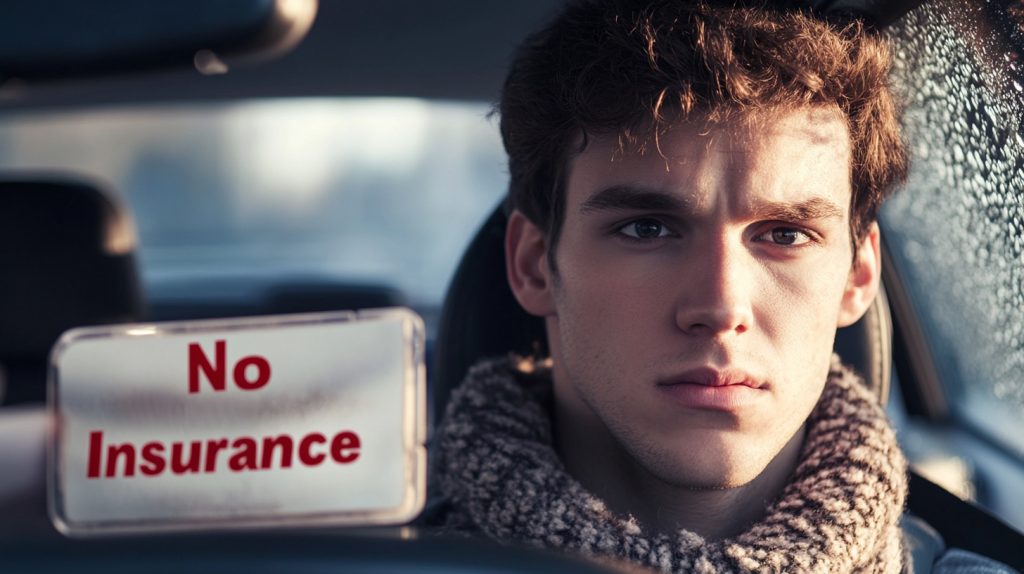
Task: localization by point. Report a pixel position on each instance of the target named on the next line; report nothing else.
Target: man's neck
(598, 461)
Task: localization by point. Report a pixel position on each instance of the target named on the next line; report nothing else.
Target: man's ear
(865, 276)
(526, 263)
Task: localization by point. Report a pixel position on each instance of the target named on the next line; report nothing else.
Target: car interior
(79, 269)
(69, 244)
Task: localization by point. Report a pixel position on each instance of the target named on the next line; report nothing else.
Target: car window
(957, 232)
(382, 191)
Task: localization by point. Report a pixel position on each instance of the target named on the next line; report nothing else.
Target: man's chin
(712, 483)
(723, 484)
(699, 475)
(715, 465)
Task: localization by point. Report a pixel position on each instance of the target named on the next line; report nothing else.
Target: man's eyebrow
(804, 210)
(625, 197)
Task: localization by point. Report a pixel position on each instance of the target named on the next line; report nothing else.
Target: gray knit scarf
(839, 513)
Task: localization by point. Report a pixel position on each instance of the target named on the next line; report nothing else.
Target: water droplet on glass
(959, 223)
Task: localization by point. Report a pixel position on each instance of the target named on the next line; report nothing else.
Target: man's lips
(707, 388)
(712, 377)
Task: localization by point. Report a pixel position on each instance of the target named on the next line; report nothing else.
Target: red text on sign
(238, 455)
(216, 371)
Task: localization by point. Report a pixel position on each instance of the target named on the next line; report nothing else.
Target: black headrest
(481, 318)
(67, 257)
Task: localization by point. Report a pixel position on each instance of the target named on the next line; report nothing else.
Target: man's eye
(644, 229)
(788, 236)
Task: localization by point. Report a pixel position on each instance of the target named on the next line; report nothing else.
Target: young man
(694, 187)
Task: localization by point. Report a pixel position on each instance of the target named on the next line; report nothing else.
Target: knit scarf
(839, 512)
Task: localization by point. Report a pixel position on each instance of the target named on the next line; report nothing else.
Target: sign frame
(414, 426)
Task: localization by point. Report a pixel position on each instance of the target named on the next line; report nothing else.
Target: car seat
(67, 255)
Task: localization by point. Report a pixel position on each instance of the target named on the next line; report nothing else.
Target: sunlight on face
(699, 291)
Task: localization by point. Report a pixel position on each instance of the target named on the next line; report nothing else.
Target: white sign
(286, 420)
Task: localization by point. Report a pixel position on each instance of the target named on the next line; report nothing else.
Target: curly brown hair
(630, 68)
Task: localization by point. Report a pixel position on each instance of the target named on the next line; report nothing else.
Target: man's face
(698, 290)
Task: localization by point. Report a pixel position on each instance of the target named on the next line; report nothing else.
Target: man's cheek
(812, 289)
(593, 277)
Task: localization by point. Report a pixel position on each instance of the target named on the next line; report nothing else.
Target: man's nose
(715, 299)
